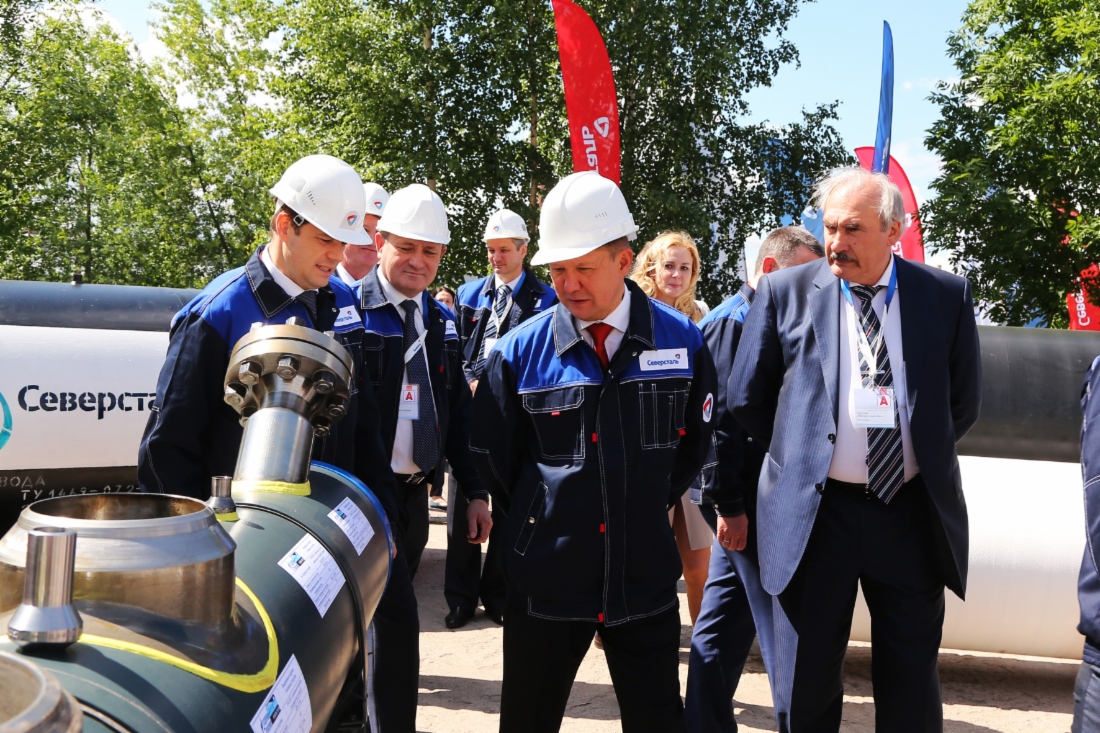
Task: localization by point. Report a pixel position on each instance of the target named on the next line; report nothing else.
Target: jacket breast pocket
(530, 522)
(373, 354)
(661, 408)
(558, 420)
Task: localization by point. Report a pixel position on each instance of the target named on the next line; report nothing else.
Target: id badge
(409, 407)
(489, 344)
(874, 408)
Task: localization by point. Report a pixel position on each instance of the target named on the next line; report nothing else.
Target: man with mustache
(859, 375)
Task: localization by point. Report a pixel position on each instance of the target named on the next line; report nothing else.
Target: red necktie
(600, 332)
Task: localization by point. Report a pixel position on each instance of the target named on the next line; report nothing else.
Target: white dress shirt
(618, 319)
(850, 453)
(344, 275)
(292, 288)
(513, 284)
(401, 461)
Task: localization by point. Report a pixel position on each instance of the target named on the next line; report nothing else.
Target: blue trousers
(1086, 700)
(735, 609)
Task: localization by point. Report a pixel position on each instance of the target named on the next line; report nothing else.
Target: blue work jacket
(475, 304)
(384, 368)
(730, 482)
(1088, 584)
(193, 435)
(587, 463)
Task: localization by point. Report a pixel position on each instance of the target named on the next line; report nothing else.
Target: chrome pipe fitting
(46, 615)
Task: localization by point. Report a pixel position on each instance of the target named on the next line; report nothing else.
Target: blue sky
(840, 45)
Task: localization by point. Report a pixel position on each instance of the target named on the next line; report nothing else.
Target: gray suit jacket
(784, 392)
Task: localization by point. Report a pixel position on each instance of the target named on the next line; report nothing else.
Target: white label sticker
(286, 707)
(409, 406)
(651, 361)
(489, 344)
(874, 408)
(354, 524)
(450, 330)
(347, 316)
(310, 564)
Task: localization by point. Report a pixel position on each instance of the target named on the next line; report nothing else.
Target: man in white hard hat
(412, 361)
(487, 309)
(359, 259)
(590, 421)
(192, 433)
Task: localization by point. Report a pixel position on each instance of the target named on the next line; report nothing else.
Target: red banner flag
(1083, 315)
(590, 100)
(911, 244)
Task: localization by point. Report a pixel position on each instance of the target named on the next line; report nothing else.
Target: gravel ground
(460, 679)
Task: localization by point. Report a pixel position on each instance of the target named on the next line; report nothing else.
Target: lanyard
(867, 350)
(493, 312)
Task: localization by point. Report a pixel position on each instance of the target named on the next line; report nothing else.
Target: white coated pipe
(1027, 536)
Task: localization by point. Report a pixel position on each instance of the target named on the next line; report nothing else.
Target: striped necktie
(501, 305)
(885, 458)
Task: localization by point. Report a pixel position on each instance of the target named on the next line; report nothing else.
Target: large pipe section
(249, 612)
(77, 397)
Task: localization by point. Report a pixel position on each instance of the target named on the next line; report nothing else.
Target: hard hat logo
(352, 218)
(603, 126)
(378, 205)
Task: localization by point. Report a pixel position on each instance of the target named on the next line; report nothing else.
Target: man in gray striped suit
(860, 374)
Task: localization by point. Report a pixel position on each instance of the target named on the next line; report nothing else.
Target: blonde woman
(667, 269)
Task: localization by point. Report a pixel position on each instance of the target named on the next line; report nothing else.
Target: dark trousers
(465, 579)
(412, 523)
(1086, 700)
(393, 674)
(889, 551)
(735, 610)
(541, 658)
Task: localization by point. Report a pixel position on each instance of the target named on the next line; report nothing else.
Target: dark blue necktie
(885, 458)
(308, 298)
(425, 432)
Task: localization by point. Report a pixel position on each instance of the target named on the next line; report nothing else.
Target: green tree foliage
(95, 172)
(173, 161)
(1019, 196)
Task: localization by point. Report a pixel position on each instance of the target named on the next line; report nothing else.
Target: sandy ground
(460, 679)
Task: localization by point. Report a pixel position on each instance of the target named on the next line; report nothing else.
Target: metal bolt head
(246, 413)
(250, 372)
(324, 382)
(288, 367)
(296, 321)
(234, 394)
(338, 407)
(330, 334)
(255, 325)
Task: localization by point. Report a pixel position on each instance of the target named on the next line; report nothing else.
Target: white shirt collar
(344, 275)
(618, 319)
(292, 288)
(393, 296)
(513, 284)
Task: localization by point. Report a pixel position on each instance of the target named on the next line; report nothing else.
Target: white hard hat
(328, 193)
(582, 213)
(416, 212)
(376, 198)
(506, 224)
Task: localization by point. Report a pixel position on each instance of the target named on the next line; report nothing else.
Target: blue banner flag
(881, 162)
